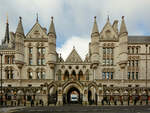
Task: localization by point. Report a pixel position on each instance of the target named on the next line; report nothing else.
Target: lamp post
(146, 66)
(1, 79)
(146, 77)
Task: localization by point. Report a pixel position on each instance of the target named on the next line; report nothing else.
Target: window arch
(80, 75)
(40, 74)
(73, 74)
(66, 75)
(30, 74)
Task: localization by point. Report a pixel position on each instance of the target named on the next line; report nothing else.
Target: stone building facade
(116, 65)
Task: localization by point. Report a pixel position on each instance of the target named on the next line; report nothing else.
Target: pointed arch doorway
(73, 96)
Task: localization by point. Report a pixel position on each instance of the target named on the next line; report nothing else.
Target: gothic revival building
(117, 65)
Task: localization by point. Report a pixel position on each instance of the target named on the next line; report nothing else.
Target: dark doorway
(73, 96)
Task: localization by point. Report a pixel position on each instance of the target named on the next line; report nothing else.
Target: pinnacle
(52, 27)
(20, 27)
(123, 28)
(95, 27)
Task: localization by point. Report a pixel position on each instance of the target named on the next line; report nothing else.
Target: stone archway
(72, 93)
(73, 96)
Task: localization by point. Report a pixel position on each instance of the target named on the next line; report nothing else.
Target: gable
(74, 57)
(108, 33)
(36, 31)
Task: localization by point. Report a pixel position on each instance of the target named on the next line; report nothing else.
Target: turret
(52, 43)
(19, 43)
(94, 46)
(123, 41)
(52, 56)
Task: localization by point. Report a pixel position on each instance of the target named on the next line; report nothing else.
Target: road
(85, 109)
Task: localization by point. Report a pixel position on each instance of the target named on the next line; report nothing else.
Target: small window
(132, 75)
(30, 61)
(107, 75)
(112, 75)
(104, 75)
(128, 75)
(43, 50)
(132, 50)
(137, 63)
(30, 75)
(137, 75)
(30, 50)
(104, 50)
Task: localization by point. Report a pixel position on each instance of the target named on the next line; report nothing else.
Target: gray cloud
(74, 18)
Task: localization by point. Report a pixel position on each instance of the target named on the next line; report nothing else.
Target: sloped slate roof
(138, 39)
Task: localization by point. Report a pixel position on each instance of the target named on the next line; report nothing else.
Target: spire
(37, 18)
(20, 27)
(6, 39)
(108, 18)
(95, 27)
(52, 27)
(123, 28)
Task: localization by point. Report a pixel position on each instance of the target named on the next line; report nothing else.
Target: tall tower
(95, 44)
(52, 56)
(19, 44)
(123, 45)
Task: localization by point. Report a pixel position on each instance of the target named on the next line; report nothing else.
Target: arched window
(40, 74)
(30, 74)
(80, 75)
(73, 74)
(66, 75)
(87, 75)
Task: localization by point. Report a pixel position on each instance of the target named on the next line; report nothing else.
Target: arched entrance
(73, 96)
(72, 93)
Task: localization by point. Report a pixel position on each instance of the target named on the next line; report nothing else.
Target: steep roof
(95, 27)
(123, 28)
(52, 27)
(36, 27)
(20, 27)
(138, 39)
(74, 57)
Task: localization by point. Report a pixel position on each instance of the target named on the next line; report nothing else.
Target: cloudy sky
(74, 18)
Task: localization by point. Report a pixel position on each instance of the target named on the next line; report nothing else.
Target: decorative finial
(122, 17)
(20, 18)
(73, 47)
(108, 18)
(52, 17)
(95, 17)
(37, 18)
(7, 18)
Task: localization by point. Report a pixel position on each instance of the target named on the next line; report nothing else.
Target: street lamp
(146, 65)
(1, 78)
(146, 76)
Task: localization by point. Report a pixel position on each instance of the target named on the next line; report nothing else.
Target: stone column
(99, 96)
(59, 97)
(34, 75)
(85, 96)
(45, 96)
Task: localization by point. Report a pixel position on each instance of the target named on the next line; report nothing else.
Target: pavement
(82, 109)
(9, 109)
